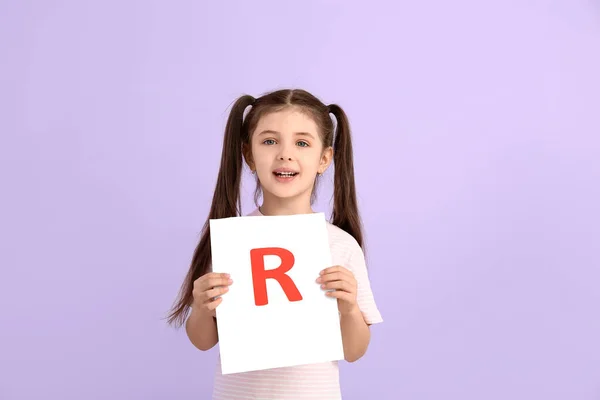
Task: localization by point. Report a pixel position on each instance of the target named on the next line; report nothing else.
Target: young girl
(288, 140)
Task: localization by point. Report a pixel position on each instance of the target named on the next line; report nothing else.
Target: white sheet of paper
(281, 333)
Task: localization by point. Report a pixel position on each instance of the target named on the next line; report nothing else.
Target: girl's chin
(285, 189)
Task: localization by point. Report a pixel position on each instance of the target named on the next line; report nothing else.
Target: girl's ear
(326, 159)
(247, 151)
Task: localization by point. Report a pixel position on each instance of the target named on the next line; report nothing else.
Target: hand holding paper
(208, 290)
(344, 286)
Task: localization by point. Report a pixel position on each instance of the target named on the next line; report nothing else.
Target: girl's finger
(341, 295)
(337, 268)
(339, 285)
(215, 281)
(330, 276)
(212, 293)
(213, 304)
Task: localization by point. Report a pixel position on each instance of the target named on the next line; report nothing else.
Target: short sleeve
(364, 296)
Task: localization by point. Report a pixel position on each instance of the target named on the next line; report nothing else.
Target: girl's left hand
(344, 284)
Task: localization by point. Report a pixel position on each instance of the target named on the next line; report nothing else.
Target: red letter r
(260, 275)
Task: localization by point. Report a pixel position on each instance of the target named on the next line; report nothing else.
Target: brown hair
(226, 199)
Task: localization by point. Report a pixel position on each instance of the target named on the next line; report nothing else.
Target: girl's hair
(226, 199)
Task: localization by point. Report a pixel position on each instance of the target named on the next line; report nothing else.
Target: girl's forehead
(287, 121)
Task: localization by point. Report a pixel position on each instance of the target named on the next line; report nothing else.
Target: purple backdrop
(476, 132)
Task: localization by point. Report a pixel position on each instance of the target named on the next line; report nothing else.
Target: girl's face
(287, 154)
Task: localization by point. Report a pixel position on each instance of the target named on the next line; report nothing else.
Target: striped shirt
(313, 381)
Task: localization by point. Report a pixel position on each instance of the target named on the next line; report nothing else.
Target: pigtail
(226, 203)
(345, 206)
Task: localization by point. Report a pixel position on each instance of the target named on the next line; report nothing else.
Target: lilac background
(476, 128)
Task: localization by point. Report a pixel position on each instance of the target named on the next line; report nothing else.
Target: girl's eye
(269, 141)
(302, 144)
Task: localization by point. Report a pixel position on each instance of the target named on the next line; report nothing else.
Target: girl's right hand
(207, 291)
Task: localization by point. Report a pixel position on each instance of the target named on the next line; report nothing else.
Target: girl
(288, 140)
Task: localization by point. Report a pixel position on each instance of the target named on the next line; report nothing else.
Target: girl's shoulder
(342, 243)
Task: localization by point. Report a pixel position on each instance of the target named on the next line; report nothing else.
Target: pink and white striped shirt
(314, 381)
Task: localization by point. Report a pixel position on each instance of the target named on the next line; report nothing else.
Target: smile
(285, 174)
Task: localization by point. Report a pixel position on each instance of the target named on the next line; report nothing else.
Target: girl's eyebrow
(269, 131)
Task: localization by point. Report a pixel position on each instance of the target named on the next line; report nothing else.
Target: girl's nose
(283, 158)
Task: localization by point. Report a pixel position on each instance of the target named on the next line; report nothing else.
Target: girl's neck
(277, 206)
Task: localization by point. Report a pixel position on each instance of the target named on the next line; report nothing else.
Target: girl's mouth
(284, 175)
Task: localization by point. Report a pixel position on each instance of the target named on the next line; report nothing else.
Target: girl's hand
(344, 284)
(207, 291)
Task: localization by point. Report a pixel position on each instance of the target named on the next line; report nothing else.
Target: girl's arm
(201, 326)
(355, 331)
(201, 329)
(356, 335)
